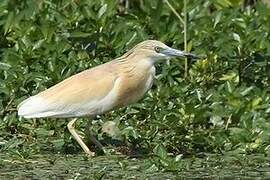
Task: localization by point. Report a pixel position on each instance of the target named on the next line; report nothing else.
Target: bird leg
(78, 138)
(89, 135)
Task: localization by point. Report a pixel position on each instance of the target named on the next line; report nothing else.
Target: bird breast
(135, 81)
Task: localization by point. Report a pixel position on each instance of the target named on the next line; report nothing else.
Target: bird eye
(158, 49)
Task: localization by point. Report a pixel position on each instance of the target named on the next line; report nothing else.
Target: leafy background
(222, 105)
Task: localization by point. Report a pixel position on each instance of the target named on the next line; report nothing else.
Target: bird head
(156, 50)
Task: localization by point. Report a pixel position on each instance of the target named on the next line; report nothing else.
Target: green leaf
(236, 37)
(38, 44)
(102, 10)
(160, 151)
(256, 102)
(247, 91)
(4, 66)
(217, 18)
(9, 22)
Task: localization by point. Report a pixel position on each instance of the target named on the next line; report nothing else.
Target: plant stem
(174, 11)
(184, 22)
(185, 37)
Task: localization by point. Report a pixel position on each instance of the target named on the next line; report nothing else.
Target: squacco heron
(100, 89)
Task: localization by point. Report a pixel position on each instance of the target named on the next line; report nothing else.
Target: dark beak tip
(194, 57)
(191, 56)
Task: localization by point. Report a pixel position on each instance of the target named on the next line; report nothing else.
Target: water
(58, 166)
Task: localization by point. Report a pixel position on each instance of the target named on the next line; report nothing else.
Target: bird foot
(90, 154)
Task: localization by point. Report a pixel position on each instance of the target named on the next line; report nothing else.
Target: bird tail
(32, 107)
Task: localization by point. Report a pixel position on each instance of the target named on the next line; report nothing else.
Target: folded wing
(88, 93)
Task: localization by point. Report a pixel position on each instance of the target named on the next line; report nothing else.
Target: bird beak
(174, 52)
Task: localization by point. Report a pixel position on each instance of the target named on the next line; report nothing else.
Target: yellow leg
(78, 138)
